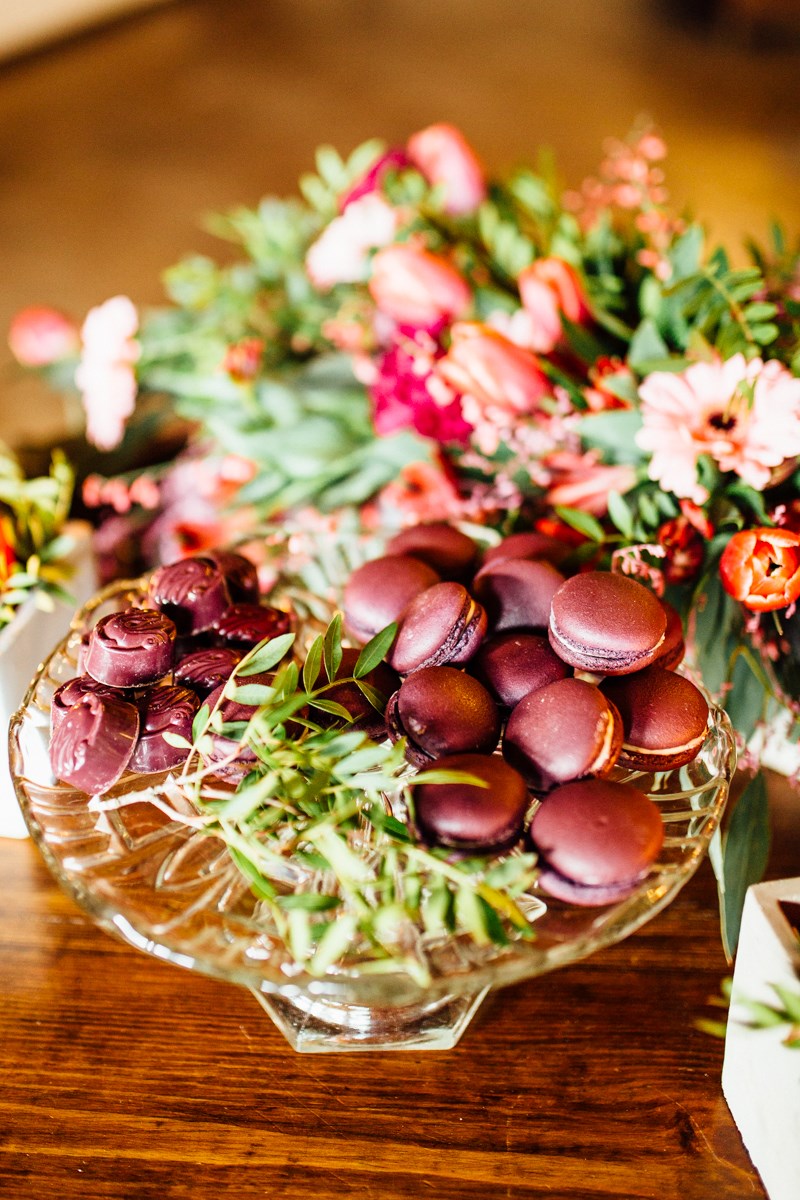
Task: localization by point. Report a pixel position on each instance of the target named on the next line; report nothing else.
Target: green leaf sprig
(320, 825)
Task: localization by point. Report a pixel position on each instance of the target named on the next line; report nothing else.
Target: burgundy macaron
(193, 592)
(450, 552)
(164, 710)
(528, 544)
(517, 592)
(596, 840)
(245, 625)
(606, 623)
(673, 650)
(467, 817)
(665, 718)
(514, 663)
(563, 731)
(363, 715)
(131, 648)
(94, 742)
(442, 625)
(441, 710)
(378, 592)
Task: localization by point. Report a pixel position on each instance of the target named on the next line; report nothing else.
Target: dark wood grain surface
(126, 1077)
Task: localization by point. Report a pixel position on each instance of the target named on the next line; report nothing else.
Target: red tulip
(761, 568)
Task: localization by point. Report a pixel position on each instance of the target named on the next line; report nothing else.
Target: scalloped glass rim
(176, 894)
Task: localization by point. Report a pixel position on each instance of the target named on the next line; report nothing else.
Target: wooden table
(127, 1077)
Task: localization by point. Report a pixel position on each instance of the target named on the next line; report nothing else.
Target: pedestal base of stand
(318, 1026)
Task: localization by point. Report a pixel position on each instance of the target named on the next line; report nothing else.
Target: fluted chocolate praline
(168, 709)
(204, 670)
(94, 742)
(441, 710)
(192, 592)
(71, 692)
(240, 574)
(246, 625)
(467, 817)
(131, 648)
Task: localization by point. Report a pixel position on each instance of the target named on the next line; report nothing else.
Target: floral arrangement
(32, 545)
(414, 340)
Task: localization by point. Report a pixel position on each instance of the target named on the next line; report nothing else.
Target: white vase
(24, 644)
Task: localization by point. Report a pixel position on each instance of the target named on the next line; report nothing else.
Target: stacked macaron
(146, 669)
(570, 674)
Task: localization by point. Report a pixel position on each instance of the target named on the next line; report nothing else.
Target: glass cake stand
(175, 893)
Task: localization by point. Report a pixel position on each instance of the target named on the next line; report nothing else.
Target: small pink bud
(40, 336)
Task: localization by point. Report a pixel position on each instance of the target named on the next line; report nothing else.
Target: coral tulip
(761, 568)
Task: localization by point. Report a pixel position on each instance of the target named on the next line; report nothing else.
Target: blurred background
(124, 122)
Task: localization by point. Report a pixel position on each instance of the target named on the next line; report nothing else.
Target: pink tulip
(40, 336)
(484, 365)
(417, 288)
(442, 154)
(550, 288)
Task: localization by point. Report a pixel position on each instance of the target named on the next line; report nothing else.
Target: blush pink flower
(549, 289)
(39, 336)
(417, 288)
(442, 154)
(341, 252)
(581, 481)
(745, 415)
(105, 374)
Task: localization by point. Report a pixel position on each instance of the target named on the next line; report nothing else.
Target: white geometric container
(761, 1075)
(24, 644)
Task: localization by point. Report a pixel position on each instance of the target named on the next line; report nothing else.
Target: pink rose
(442, 154)
(105, 374)
(39, 336)
(417, 288)
(550, 288)
(494, 372)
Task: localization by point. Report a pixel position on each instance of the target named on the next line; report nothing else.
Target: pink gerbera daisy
(745, 415)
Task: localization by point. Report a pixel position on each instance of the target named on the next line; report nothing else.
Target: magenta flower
(745, 415)
(407, 395)
(105, 373)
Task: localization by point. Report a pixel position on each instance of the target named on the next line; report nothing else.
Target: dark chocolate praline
(517, 592)
(443, 625)
(596, 840)
(192, 592)
(606, 623)
(72, 691)
(163, 710)
(467, 817)
(94, 742)
(204, 670)
(131, 648)
(517, 662)
(240, 573)
(441, 710)
(378, 593)
(451, 553)
(246, 625)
